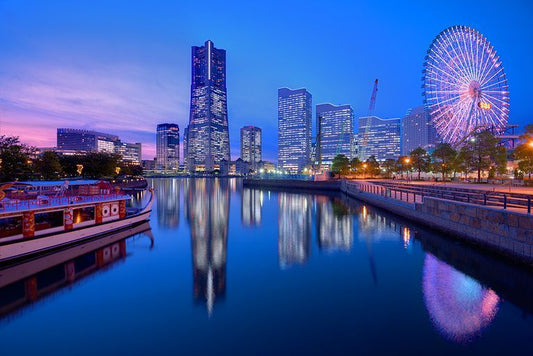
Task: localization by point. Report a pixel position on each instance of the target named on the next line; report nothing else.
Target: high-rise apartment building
(168, 147)
(294, 129)
(379, 138)
(208, 136)
(251, 142)
(417, 131)
(334, 132)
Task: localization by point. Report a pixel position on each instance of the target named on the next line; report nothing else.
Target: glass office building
(379, 138)
(294, 129)
(334, 132)
(168, 147)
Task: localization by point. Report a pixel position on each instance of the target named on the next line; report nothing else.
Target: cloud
(123, 99)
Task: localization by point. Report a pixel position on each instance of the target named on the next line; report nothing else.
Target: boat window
(10, 226)
(83, 214)
(48, 220)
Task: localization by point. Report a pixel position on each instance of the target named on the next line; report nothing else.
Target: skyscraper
(251, 141)
(417, 131)
(208, 136)
(294, 129)
(334, 132)
(380, 138)
(168, 147)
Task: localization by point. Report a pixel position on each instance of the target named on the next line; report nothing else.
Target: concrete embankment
(294, 184)
(502, 231)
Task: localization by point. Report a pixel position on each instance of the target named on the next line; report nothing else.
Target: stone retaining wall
(503, 231)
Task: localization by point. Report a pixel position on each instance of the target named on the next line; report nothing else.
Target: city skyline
(54, 76)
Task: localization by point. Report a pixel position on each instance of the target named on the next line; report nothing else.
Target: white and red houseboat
(40, 216)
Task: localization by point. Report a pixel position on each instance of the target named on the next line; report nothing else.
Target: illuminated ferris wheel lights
(464, 85)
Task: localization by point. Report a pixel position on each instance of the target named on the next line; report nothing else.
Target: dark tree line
(20, 162)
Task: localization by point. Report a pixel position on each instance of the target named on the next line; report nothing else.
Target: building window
(10, 226)
(83, 214)
(49, 220)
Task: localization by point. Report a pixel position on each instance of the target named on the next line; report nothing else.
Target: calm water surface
(232, 271)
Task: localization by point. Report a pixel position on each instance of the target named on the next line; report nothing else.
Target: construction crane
(371, 108)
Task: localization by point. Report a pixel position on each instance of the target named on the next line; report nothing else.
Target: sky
(122, 67)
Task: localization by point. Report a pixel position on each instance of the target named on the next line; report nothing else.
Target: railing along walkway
(389, 192)
(514, 201)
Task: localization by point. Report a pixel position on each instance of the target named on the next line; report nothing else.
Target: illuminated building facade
(294, 129)
(251, 140)
(417, 131)
(208, 136)
(71, 141)
(335, 132)
(85, 140)
(168, 147)
(131, 152)
(381, 138)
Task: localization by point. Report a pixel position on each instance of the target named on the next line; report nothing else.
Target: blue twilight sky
(124, 66)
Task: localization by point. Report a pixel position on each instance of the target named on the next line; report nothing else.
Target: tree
(100, 164)
(420, 160)
(403, 164)
(341, 165)
(49, 166)
(463, 161)
(485, 152)
(355, 165)
(389, 167)
(15, 160)
(444, 159)
(524, 151)
(372, 166)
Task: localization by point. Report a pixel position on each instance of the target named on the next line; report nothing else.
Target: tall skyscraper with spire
(208, 136)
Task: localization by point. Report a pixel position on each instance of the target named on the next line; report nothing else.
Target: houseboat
(41, 216)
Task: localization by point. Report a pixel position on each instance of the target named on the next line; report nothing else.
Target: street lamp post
(407, 160)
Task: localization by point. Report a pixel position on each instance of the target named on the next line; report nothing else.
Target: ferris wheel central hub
(474, 89)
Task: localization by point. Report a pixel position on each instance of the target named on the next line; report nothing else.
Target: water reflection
(459, 306)
(168, 202)
(334, 224)
(23, 284)
(208, 214)
(251, 206)
(294, 228)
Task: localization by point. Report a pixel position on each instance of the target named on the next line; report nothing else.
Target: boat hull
(22, 248)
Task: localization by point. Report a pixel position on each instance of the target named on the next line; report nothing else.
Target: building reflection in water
(208, 214)
(459, 306)
(168, 202)
(251, 205)
(334, 224)
(294, 228)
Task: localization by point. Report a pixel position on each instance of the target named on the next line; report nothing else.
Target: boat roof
(58, 182)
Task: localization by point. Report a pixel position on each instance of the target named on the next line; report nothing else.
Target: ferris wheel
(464, 85)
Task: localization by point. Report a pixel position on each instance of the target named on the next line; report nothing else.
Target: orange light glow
(484, 106)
